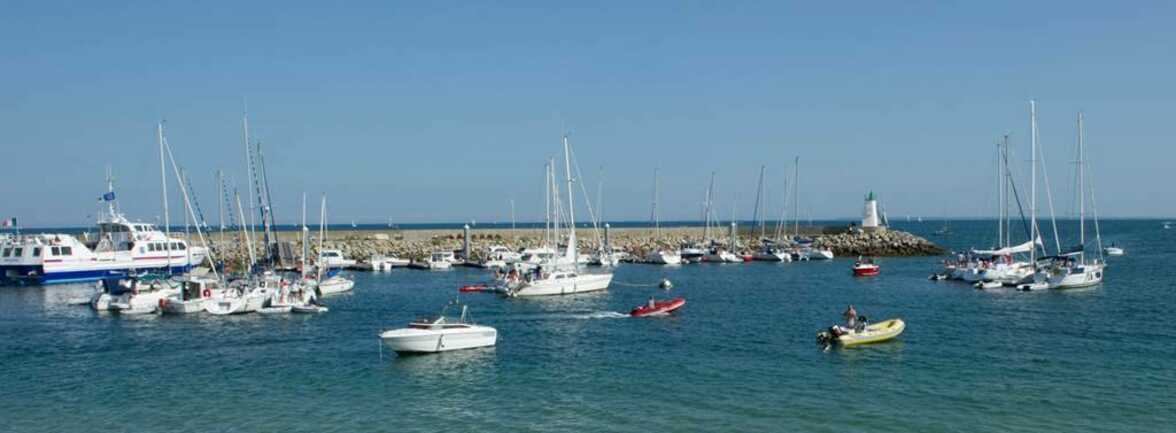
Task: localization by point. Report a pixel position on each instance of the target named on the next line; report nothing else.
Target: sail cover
(1015, 249)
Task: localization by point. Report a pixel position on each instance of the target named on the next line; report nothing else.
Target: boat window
(37, 252)
(182, 245)
(7, 252)
(17, 252)
(175, 246)
(67, 251)
(571, 275)
(55, 251)
(151, 247)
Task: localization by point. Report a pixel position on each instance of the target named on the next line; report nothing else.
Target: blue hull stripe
(74, 276)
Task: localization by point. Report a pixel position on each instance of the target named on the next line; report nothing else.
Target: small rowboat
(866, 269)
(875, 333)
(658, 308)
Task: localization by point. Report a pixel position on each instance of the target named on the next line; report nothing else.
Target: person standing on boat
(851, 317)
(652, 303)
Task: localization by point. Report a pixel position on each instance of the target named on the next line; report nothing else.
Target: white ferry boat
(119, 247)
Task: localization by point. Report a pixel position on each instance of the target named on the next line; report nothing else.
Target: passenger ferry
(119, 247)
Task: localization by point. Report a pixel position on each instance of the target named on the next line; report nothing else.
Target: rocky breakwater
(881, 243)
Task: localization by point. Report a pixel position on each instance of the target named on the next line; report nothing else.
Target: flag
(108, 196)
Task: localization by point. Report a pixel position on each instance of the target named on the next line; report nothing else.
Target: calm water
(739, 357)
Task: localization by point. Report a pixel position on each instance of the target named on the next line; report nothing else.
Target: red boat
(659, 308)
(866, 268)
(473, 288)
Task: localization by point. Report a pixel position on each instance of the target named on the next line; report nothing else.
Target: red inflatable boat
(473, 288)
(659, 308)
(865, 269)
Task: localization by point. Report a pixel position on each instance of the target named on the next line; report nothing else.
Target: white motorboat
(133, 295)
(309, 309)
(437, 261)
(440, 334)
(815, 253)
(1113, 250)
(387, 263)
(333, 259)
(195, 291)
(501, 253)
(663, 257)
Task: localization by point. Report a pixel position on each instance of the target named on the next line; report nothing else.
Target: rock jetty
(418, 244)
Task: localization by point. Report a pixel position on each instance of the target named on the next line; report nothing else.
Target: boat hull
(433, 341)
(659, 308)
(582, 283)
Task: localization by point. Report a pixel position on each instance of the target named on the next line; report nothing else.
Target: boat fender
(207, 293)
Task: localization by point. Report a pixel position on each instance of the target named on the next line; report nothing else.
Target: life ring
(207, 293)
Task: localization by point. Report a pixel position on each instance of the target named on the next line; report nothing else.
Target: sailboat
(715, 253)
(805, 250)
(1072, 269)
(1039, 280)
(659, 255)
(769, 251)
(563, 276)
(998, 266)
(335, 283)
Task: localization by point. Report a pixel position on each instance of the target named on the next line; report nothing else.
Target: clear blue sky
(429, 111)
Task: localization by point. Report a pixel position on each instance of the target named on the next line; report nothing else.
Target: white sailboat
(562, 277)
(659, 255)
(1038, 281)
(335, 283)
(1073, 269)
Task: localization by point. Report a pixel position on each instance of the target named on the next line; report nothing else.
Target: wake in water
(571, 316)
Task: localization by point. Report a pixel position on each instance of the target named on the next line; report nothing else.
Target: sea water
(740, 356)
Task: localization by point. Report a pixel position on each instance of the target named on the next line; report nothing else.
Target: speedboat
(659, 308)
(866, 268)
(440, 334)
(874, 333)
(1113, 250)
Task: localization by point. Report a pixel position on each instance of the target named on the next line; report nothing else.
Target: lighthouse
(871, 219)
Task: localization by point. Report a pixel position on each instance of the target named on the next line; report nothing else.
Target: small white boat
(284, 309)
(334, 285)
(719, 255)
(437, 261)
(986, 285)
(387, 263)
(663, 257)
(1113, 250)
(772, 254)
(196, 290)
(440, 334)
(224, 306)
(309, 309)
(333, 259)
(814, 253)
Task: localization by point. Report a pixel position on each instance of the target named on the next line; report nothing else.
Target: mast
(322, 234)
(248, 168)
(1006, 182)
(512, 219)
(1033, 235)
(999, 201)
(796, 197)
(163, 184)
(305, 239)
(758, 217)
(547, 202)
(220, 184)
(245, 231)
(571, 252)
(1081, 190)
(190, 214)
(707, 208)
(653, 213)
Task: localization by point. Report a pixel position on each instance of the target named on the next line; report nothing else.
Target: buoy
(665, 284)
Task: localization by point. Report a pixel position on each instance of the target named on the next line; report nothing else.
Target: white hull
(411, 340)
(767, 256)
(722, 257)
(387, 264)
(819, 254)
(1084, 276)
(1113, 251)
(191, 306)
(335, 285)
(581, 283)
(663, 258)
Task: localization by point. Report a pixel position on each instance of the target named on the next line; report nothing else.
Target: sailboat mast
(759, 203)
(1081, 190)
(248, 168)
(220, 205)
(571, 254)
(796, 196)
(999, 201)
(1033, 180)
(305, 238)
(653, 213)
(163, 183)
(322, 234)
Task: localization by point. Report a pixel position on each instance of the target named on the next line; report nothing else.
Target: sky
(447, 111)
